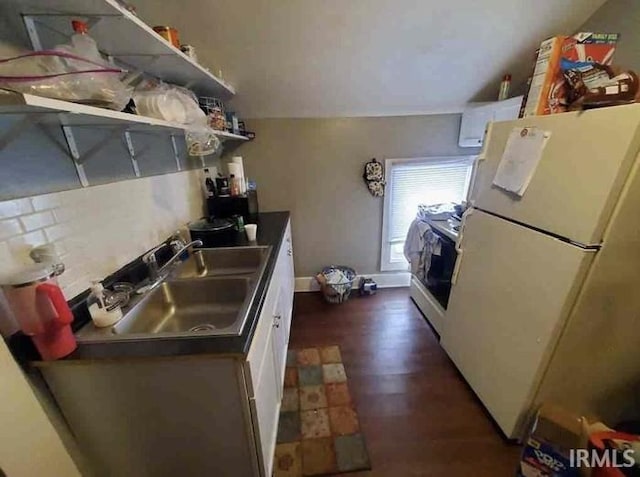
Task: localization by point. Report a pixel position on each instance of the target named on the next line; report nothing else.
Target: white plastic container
(252, 232)
(83, 44)
(99, 314)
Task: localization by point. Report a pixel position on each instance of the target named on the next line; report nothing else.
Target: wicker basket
(336, 293)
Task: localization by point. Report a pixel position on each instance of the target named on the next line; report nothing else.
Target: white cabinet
(474, 121)
(280, 340)
(265, 404)
(268, 355)
(508, 109)
(477, 115)
(288, 278)
(210, 414)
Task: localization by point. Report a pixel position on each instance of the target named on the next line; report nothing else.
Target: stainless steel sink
(211, 262)
(196, 306)
(210, 294)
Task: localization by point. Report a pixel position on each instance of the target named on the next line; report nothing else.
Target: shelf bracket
(132, 153)
(75, 155)
(176, 154)
(30, 25)
(18, 127)
(96, 147)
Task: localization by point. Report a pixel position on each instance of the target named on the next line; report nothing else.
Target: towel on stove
(421, 243)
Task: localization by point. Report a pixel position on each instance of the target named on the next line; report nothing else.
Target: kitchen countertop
(271, 228)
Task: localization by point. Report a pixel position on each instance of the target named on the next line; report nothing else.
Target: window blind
(423, 182)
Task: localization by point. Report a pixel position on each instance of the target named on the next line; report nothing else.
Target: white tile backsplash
(57, 232)
(13, 208)
(21, 245)
(47, 201)
(9, 228)
(37, 221)
(99, 229)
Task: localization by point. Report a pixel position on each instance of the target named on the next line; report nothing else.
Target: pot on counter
(214, 232)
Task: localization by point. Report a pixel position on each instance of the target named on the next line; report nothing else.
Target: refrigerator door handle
(463, 223)
(478, 162)
(459, 250)
(456, 267)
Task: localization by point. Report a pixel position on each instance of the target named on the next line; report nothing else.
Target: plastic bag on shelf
(168, 102)
(202, 141)
(63, 75)
(176, 104)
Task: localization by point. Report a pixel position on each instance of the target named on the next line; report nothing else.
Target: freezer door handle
(472, 184)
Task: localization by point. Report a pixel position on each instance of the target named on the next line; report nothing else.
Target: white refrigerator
(546, 300)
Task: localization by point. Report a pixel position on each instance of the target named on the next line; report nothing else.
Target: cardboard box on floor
(546, 450)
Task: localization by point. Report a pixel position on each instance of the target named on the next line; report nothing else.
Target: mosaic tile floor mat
(318, 432)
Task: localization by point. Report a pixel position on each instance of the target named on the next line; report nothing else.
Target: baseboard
(383, 280)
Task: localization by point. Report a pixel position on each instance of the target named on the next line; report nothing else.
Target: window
(411, 182)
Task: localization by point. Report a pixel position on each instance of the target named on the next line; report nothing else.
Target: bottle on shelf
(505, 86)
(234, 186)
(222, 183)
(209, 185)
(252, 199)
(83, 44)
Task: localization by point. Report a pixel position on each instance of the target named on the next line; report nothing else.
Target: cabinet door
(476, 117)
(268, 354)
(474, 121)
(280, 340)
(288, 285)
(507, 110)
(266, 407)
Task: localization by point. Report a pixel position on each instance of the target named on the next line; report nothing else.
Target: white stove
(449, 227)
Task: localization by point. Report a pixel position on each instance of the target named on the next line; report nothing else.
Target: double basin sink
(210, 293)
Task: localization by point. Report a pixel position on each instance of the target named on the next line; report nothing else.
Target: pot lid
(31, 274)
(211, 225)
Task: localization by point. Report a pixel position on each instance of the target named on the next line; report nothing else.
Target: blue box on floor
(540, 459)
(546, 449)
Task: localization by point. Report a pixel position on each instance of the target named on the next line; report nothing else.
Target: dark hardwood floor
(417, 414)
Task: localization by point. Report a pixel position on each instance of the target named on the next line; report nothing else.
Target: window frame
(386, 265)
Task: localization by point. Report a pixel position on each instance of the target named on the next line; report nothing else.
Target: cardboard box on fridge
(547, 91)
(547, 447)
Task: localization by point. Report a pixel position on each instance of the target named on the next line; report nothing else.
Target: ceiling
(324, 58)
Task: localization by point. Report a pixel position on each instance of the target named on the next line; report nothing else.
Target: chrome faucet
(156, 274)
